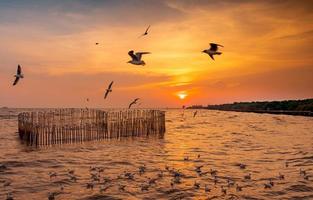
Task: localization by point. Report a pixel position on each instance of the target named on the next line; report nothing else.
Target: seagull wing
(211, 56)
(16, 80)
(146, 32)
(213, 47)
(110, 86)
(19, 69)
(139, 54)
(130, 105)
(106, 94)
(132, 55)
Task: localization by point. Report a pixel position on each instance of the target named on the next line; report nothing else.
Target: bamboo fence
(69, 125)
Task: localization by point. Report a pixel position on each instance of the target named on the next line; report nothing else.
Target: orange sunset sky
(267, 54)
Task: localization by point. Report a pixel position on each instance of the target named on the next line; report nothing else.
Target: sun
(182, 95)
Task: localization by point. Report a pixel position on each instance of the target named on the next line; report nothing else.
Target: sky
(267, 54)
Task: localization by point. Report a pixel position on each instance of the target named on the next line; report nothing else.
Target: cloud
(54, 41)
(298, 36)
(69, 17)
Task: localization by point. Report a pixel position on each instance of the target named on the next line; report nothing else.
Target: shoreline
(277, 112)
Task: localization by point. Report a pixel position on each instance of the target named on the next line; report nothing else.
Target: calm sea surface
(223, 140)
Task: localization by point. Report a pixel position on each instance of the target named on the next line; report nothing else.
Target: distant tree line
(287, 105)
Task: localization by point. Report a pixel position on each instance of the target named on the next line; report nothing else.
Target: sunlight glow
(182, 95)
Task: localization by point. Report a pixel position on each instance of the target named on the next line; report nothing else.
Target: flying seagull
(133, 102)
(18, 74)
(195, 113)
(136, 58)
(108, 90)
(145, 33)
(213, 50)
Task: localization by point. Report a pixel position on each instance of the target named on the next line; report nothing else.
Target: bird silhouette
(196, 185)
(145, 33)
(136, 58)
(242, 166)
(269, 185)
(18, 75)
(133, 102)
(247, 177)
(144, 187)
(238, 188)
(213, 50)
(108, 90)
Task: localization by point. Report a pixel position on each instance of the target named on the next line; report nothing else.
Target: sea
(213, 155)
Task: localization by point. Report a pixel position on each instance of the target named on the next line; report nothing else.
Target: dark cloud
(65, 17)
